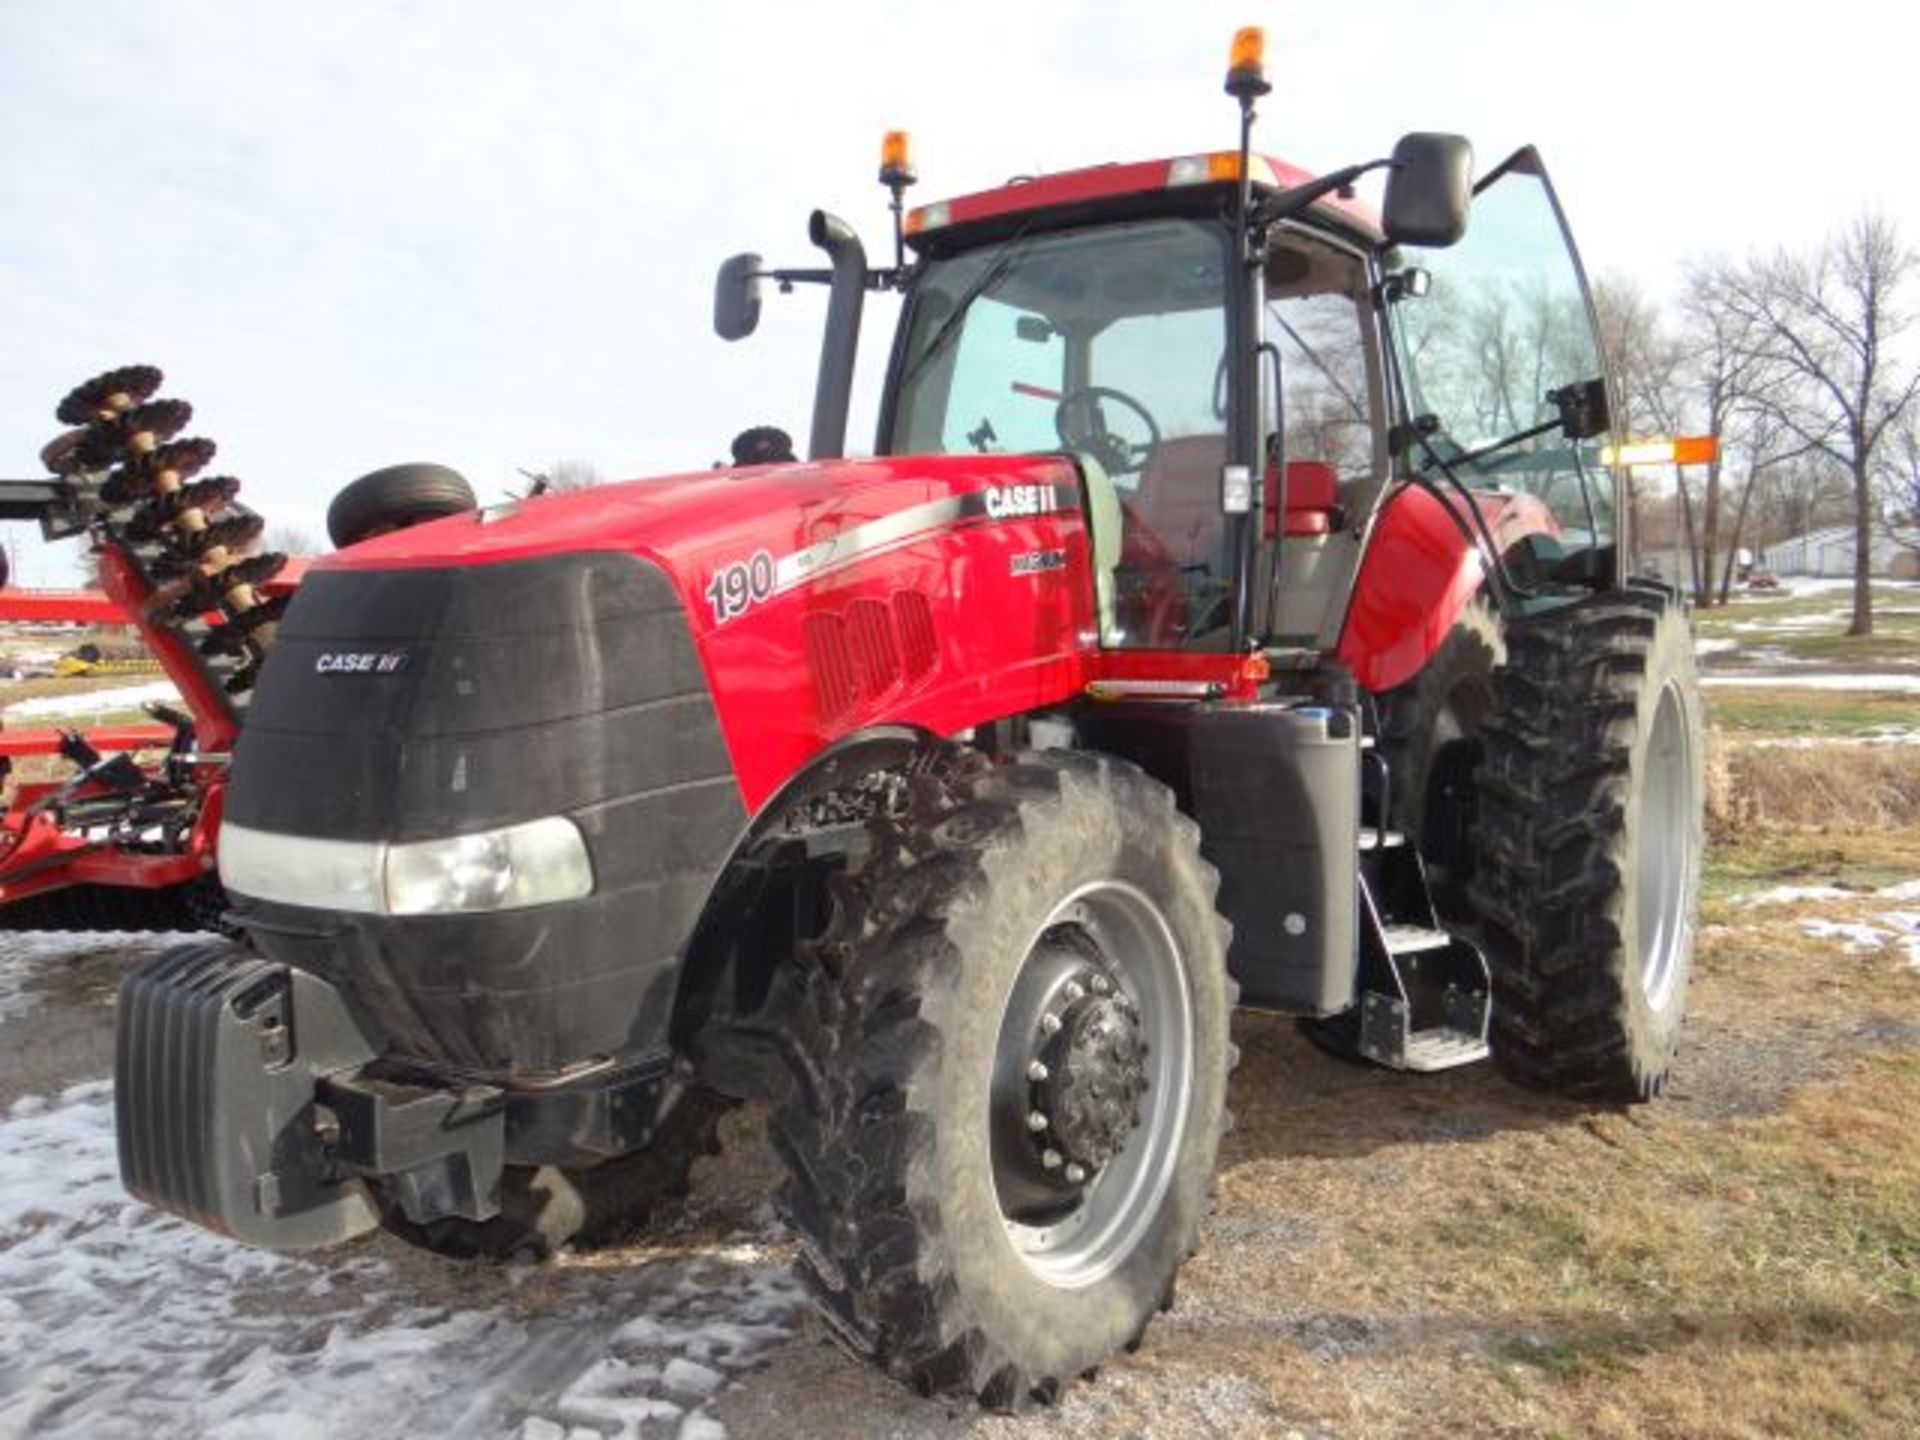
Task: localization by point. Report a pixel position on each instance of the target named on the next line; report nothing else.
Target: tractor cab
(1251, 371)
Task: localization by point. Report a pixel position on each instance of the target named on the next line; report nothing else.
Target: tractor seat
(1313, 499)
(1177, 500)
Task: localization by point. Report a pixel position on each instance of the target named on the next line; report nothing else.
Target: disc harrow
(131, 474)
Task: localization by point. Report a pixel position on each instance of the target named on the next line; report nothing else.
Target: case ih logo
(1004, 502)
(360, 662)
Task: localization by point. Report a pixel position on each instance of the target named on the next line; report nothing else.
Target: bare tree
(1826, 324)
(1899, 504)
(1729, 380)
(564, 475)
(1645, 359)
(288, 539)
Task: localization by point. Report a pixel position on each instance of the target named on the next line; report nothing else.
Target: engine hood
(688, 523)
(821, 599)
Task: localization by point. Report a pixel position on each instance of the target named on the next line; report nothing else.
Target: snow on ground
(1797, 894)
(1877, 735)
(117, 1321)
(1715, 645)
(91, 702)
(1900, 928)
(1810, 621)
(26, 956)
(1893, 684)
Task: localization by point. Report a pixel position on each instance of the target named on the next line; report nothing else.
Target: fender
(1418, 574)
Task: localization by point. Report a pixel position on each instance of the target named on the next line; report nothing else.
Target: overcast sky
(484, 233)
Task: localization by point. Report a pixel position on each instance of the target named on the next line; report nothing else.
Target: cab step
(1388, 1036)
(1412, 939)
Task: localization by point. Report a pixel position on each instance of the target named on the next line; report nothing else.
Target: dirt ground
(1390, 1255)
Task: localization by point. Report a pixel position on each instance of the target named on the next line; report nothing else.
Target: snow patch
(1795, 894)
(29, 955)
(1892, 684)
(91, 702)
(1882, 736)
(1859, 937)
(1715, 645)
(120, 1323)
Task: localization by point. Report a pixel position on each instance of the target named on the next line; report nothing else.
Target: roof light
(896, 159)
(1221, 165)
(928, 217)
(1247, 63)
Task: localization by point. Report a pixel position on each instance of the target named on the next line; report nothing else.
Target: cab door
(1487, 332)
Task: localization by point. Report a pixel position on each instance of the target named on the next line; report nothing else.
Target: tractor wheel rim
(1665, 851)
(1108, 943)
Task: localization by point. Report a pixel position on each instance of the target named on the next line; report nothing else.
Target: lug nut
(1037, 1071)
(1074, 991)
(1036, 1122)
(1100, 984)
(1050, 1023)
(1050, 1159)
(1076, 1172)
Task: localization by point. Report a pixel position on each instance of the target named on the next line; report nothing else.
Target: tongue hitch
(244, 1103)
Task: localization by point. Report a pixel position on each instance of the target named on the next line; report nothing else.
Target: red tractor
(1233, 611)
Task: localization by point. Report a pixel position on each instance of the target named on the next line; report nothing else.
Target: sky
(484, 233)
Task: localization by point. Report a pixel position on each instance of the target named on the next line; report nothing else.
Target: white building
(1830, 552)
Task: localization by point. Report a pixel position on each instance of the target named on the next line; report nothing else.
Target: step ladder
(1424, 991)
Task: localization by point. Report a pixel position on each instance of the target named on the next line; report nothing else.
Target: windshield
(1503, 323)
(1108, 343)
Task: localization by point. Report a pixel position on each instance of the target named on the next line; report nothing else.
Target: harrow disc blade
(108, 394)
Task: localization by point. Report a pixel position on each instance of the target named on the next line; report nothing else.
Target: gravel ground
(116, 1321)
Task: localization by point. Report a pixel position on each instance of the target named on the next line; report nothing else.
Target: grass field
(1805, 624)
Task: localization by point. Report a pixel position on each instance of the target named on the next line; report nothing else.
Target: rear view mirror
(736, 297)
(1428, 190)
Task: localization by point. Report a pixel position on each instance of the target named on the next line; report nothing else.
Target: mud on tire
(1588, 844)
(901, 1161)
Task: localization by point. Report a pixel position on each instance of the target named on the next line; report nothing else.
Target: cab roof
(1072, 195)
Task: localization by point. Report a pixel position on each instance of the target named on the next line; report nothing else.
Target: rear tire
(1588, 844)
(938, 1238)
(395, 498)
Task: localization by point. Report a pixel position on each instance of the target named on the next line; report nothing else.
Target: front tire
(1588, 844)
(1028, 960)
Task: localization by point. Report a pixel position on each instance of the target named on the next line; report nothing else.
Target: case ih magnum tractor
(1233, 610)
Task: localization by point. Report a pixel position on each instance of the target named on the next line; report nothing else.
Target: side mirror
(1428, 190)
(736, 297)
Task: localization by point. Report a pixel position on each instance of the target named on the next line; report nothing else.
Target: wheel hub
(1096, 1075)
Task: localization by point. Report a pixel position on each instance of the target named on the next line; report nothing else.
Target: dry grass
(1457, 1256)
(1856, 786)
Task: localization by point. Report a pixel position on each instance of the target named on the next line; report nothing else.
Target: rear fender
(1418, 574)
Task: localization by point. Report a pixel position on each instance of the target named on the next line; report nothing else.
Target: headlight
(533, 864)
(539, 863)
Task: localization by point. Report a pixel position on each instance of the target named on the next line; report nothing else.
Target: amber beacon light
(1247, 63)
(896, 159)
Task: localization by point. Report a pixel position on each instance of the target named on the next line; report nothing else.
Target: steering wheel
(1082, 425)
